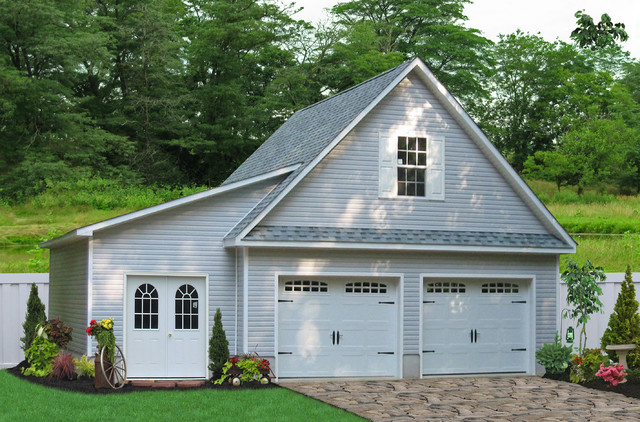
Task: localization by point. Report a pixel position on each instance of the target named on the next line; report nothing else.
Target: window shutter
(435, 169)
(387, 173)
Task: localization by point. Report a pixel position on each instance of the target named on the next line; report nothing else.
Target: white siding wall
(265, 263)
(14, 293)
(186, 239)
(343, 190)
(68, 291)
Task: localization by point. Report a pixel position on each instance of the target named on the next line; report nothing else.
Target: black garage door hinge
(386, 303)
(386, 353)
(284, 300)
(428, 301)
(518, 301)
(428, 351)
(285, 353)
(519, 350)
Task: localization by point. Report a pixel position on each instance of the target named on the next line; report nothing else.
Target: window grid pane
(445, 287)
(305, 286)
(145, 308)
(412, 163)
(367, 287)
(501, 288)
(186, 306)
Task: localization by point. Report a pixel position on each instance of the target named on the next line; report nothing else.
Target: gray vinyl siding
(342, 191)
(68, 269)
(264, 264)
(185, 239)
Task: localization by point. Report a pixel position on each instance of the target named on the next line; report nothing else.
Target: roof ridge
(355, 86)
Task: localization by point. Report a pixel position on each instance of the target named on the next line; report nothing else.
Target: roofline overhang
(88, 231)
(397, 247)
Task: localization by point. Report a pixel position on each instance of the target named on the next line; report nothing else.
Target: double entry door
(166, 327)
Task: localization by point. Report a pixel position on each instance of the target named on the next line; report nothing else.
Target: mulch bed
(86, 385)
(631, 388)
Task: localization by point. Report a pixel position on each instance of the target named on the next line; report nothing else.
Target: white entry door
(337, 327)
(475, 327)
(166, 331)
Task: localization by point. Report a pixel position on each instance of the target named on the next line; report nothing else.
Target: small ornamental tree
(624, 322)
(582, 294)
(218, 345)
(35, 315)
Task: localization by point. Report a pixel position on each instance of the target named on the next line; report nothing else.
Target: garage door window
(500, 288)
(366, 287)
(305, 286)
(146, 308)
(186, 308)
(445, 287)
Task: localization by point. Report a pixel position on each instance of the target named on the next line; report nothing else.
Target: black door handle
(475, 332)
(333, 337)
(338, 337)
(471, 336)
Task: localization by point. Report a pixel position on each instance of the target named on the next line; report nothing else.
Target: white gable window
(411, 166)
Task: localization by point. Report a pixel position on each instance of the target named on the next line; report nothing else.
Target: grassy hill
(606, 227)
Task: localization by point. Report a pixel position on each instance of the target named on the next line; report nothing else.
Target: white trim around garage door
(400, 293)
(530, 279)
(168, 274)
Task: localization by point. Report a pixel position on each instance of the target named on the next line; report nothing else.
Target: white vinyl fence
(14, 293)
(599, 321)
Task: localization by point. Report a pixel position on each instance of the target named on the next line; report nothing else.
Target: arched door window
(146, 308)
(186, 315)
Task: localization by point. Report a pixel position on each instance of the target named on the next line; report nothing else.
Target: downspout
(235, 347)
(89, 289)
(245, 300)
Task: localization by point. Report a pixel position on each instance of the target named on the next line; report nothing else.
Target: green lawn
(23, 401)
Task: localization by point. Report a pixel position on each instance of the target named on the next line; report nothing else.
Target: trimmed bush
(624, 323)
(35, 315)
(218, 345)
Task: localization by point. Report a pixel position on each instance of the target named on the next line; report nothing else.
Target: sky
(551, 18)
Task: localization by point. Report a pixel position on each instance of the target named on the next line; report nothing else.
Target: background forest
(119, 104)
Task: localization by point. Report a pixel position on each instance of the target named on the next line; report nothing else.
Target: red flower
(93, 321)
(89, 331)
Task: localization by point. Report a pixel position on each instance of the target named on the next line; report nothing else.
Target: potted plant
(103, 333)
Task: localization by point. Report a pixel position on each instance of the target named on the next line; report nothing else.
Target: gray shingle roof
(405, 237)
(301, 138)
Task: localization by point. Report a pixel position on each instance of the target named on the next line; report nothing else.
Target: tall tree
(430, 29)
(604, 34)
(539, 90)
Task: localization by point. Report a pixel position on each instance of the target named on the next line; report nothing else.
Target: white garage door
(166, 331)
(475, 327)
(337, 327)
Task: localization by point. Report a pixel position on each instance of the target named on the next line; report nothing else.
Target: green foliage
(57, 332)
(40, 357)
(86, 367)
(35, 316)
(588, 34)
(64, 366)
(554, 356)
(249, 366)
(624, 322)
(103, 333)
(218, 345)
(590, 362)
(582, 293)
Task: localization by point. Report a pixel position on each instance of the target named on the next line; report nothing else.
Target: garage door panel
(472, 326)
(338, 333)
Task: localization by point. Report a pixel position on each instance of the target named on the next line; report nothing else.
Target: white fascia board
(87, 231)
(487, 146)
(416, 62)
(400, 247)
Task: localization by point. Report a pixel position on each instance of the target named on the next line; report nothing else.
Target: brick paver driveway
(523, 398)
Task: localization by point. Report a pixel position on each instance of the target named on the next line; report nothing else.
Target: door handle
(475, 333)
(471, 336)
(333, 337)
(170, 334)
(338, 337)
